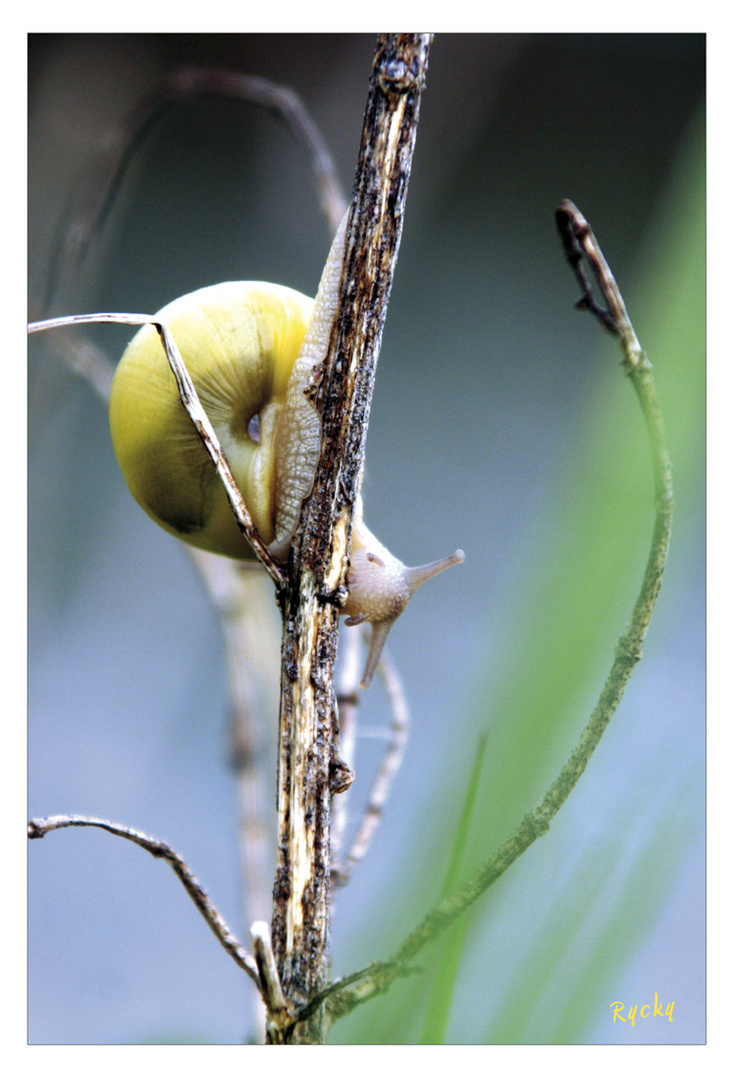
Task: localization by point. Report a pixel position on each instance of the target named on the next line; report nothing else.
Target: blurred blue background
(501, 423)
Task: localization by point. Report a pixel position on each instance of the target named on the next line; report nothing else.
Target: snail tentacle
(380, 587)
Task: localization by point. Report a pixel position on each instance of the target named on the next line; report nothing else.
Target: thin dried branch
(286, 104)
(389, 767)
(121, 143)
(194, 408)
(238, 598)
(308, 755)
(322, 542)
(577, 237)
(39, 827)
(579, 242)
(348, 699)
(277, 1019)
(398, 77)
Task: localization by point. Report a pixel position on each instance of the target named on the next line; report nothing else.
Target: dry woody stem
(310, 770)
(308, 757)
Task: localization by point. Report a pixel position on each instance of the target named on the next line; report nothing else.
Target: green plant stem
(580, 244)
(438, 1010)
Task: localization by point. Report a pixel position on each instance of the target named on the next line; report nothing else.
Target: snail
(250, 348)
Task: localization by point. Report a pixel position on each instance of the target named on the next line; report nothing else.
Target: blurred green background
(501, 423)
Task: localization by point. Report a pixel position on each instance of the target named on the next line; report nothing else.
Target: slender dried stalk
(87, 217)
(309, 763)
(39, 827)
(389, 766)
(190, 401)
(276, 1014)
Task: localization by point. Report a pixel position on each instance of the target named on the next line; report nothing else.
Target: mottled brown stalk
(310, 769)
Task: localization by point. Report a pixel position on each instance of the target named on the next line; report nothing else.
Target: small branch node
(341, 776)
(629, 651)
(270, 988)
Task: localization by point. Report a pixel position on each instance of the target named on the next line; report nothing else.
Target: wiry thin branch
(122, 141)
(190, 401)
(342, 997)
(389, 766)
(579, 241)
(38, 827)
(194, 408)
(286, 104)
(276, 1012)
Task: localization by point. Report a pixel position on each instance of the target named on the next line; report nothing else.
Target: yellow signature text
(640, 1012)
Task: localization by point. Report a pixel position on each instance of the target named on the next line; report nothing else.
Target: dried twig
(286, 104)
(120, 144)
(578, 241)
(308, 756)
(372, 244)
(190, 401)
(389, 766)
(276, 1012)
(237, 598)
(38, 827)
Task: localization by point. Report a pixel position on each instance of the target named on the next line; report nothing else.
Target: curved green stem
(580, 246)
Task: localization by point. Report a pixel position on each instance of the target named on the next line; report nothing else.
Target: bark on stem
(309, 768)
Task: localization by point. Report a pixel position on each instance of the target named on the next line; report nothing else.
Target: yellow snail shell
(250, 348)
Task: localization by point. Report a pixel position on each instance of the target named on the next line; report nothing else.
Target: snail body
(251, 349)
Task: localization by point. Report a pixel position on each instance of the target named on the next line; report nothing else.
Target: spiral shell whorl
(239, 341)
